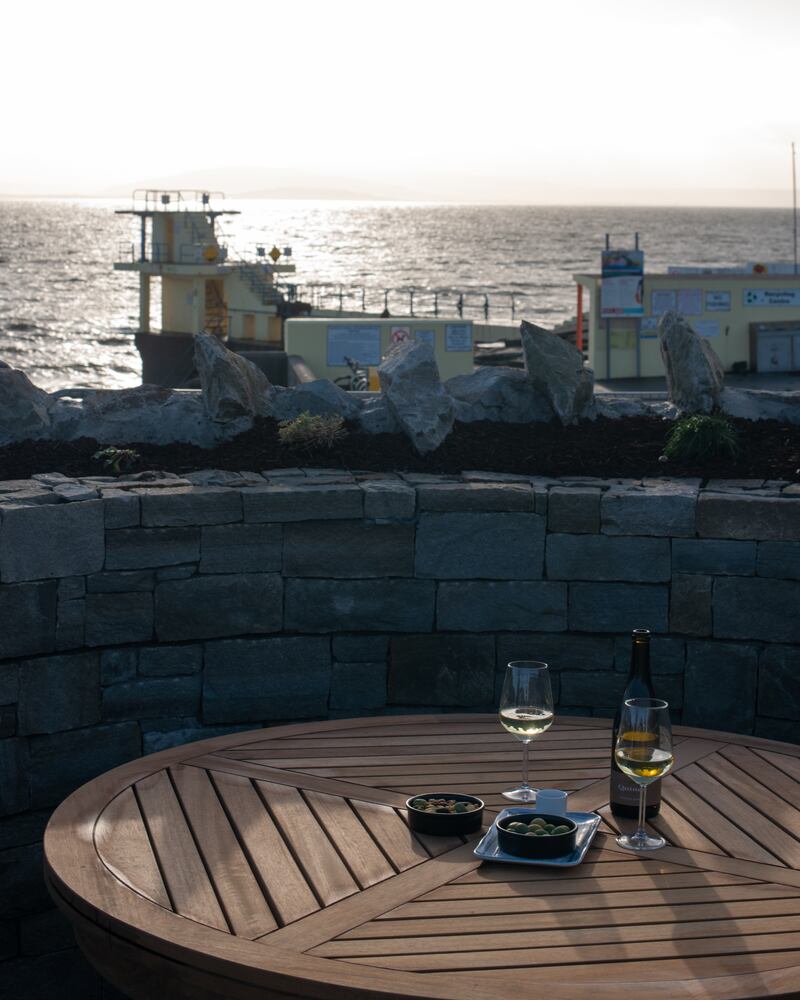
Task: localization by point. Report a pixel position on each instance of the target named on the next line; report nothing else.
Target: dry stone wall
(141, 612)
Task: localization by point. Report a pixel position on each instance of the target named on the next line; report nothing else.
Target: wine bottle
(624, 792)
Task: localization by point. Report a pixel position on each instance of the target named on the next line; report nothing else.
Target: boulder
(505, 395)
(147, 414)
(761, 404)
(616, 406)
(24, 408)
(318, 397)
(375, 417)
(694, 372)
(232, 386)
(410, 382)
(556, 370)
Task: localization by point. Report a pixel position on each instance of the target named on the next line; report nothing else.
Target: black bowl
(445, 824)
(522, 846)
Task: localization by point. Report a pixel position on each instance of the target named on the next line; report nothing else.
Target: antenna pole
(794, 205)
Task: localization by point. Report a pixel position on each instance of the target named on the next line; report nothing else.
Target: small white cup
(551, 801)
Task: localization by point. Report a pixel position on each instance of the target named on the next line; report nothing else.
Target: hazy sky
(586, 101)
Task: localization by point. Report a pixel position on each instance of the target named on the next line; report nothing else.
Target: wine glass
(644, 753)
(526, 711)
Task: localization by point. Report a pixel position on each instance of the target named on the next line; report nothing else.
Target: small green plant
(702, 436)
(312, 432)
(118, 460)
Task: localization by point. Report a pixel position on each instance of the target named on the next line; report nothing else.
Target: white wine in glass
(526, 711)
(644, 753)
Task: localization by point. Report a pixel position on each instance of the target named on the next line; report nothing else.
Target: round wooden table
(278, 863)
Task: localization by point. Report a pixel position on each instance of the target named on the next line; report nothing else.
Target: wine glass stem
(525, 764)
(641, 833)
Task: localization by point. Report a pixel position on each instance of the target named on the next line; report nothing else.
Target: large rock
(376, 417)
(617, 406)
(761, 404)
(556, 370)
(506, 395)
(318, 397)
(410, 382)
(24, 408)
(694, 372)
(146, 414)
(232, 386)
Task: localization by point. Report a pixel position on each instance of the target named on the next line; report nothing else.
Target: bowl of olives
(444, 814)
(536, 835)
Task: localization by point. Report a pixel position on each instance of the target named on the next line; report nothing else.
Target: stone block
(595, 688)
(363, 605)
(720, 686)
(51, 541)
(388, 501)
(27, 618)
(23, 886)
(187, 506)
(46, 932)
(714, 556)
(360, 648)
(63, 975)
(266, 679)
(165, 739)
(742, 516)
(492, 605)
(219, 605)
(14, 797)
(241, 548)
(612, 607)
(779, 560)
(441, 670)
(23, 828)
(176, 572)
(776, 729)
(348, 549)
(9, 946)
(303, 502)
(9, 683)
(358, 686)
(574, 511)
(559, 652)
(664, 512)
(121, 509)
(756, 608)
(60, 762)
(8, 721)
(690, 604)
(112, 619)
(122, 582)
(71, 588)
(779, 685)
(601, 557)
(170, 661)
(486, 546)
(58, 693)
(71, 624)
(667, 655)
(144, 548)
(118, 665)
(151, 697)
(478, 497)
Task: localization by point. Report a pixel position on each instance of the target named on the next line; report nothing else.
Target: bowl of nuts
(536, 835)
(444, 814)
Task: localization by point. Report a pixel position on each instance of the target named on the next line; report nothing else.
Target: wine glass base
(522, 794)
(633, 842)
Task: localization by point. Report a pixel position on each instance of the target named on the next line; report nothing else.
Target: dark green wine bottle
(624, 792)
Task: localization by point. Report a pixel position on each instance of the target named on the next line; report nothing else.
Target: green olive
(561, 829)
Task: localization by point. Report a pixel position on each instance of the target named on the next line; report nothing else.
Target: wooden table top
(278, 864)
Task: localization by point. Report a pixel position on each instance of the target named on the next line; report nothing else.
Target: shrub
(118, 459)
(702, 436)
(312, 432)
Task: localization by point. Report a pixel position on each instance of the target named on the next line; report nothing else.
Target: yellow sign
(210, 254)
(275, 253)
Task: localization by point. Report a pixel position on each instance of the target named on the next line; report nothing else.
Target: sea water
(67, 318)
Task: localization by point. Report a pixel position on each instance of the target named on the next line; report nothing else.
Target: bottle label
(626, 792)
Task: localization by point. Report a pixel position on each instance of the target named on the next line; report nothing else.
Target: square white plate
(489, 849)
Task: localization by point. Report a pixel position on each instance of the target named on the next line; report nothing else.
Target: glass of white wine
(526, 711)
(644, 753)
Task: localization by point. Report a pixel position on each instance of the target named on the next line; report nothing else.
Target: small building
(751, 316)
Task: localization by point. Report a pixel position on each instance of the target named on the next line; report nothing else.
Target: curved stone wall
(142, 612)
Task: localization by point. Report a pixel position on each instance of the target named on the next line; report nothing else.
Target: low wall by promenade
(143, 612)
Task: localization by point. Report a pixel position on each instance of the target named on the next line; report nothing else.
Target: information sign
(663, 301)
(690, 301)
(622, 285)
(772, 296)
(427, 337)
(706, 327)
(356, 341)
(458, 337)
(718, 302)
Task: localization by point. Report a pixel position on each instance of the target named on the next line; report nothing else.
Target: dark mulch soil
(606, 448)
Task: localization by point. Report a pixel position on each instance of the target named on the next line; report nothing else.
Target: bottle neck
(640, 660)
